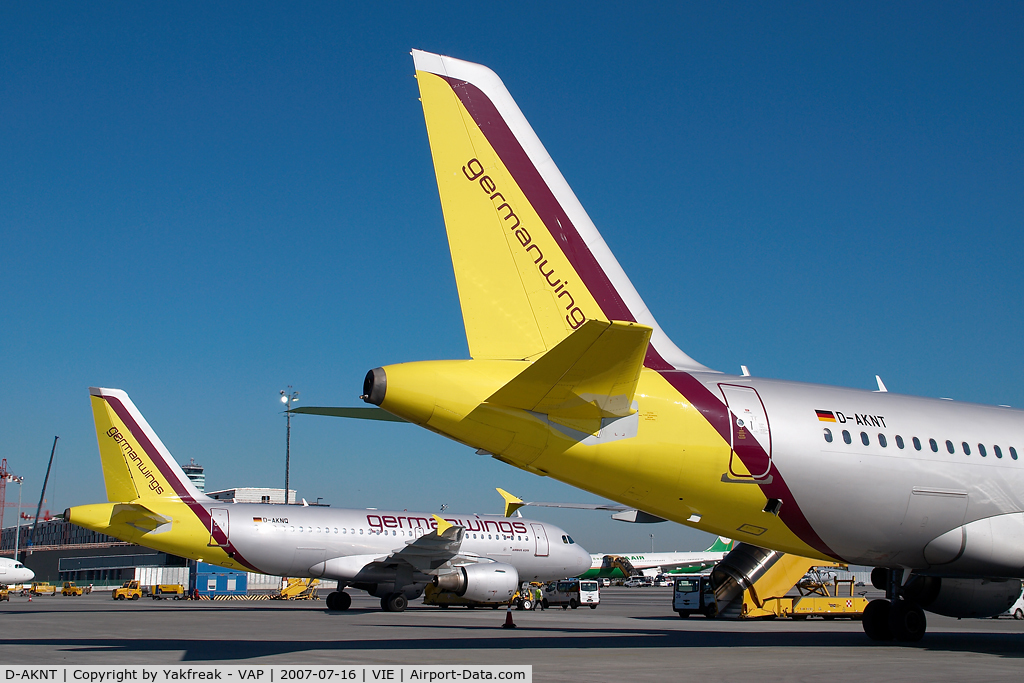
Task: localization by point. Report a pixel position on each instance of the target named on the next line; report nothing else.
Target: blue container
(210, 580)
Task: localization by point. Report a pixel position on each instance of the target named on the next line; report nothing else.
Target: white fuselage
(338, 543)
(13, 571)
(878, 503)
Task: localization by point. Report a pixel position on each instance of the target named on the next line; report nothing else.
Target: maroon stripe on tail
(517, 161)
(171, 476)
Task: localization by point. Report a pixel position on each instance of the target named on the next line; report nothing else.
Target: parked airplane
(12, 571)
(392, 555)
(572, 378)
(610, 564)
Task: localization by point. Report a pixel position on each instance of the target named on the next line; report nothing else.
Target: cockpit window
(571, 542)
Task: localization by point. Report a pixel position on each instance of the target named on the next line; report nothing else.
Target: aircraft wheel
(343, 601)
(876, 620)
(329, 600)
(907, 622)
(396, 602)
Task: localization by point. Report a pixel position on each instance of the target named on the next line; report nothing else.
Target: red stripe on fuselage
(529, 179)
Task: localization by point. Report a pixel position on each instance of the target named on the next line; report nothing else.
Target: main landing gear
(339, 601)
(894, 618)
(396, 602)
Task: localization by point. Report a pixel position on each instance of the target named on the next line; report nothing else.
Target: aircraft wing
(432, 551)
(700, 563)
(623, 513)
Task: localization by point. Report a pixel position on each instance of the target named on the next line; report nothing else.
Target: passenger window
(881, 440)
(846, 437)
(967, 449)
(949, 447)
(899, 442)
(934, 445)
(997, 451)
(1013, 452)
(917, 443)
(981, 450)
(828, 435)
(864, 439)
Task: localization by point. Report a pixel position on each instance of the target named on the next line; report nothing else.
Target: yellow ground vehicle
(69, 588)
(298, 589)
(5, 592)
(42, 588)
(168, 590)
(432, 595)
(767, 597)
(129, 590)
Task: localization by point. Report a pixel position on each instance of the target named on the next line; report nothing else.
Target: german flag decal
(825, 415)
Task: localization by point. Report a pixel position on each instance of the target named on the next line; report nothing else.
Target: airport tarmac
(632, 636)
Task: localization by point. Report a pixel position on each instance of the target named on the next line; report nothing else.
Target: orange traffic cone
(508, 618)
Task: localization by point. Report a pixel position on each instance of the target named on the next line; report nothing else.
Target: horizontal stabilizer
(591, 374)
(357, 413)
(138, 516)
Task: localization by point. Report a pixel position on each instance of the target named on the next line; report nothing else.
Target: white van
(572, 593)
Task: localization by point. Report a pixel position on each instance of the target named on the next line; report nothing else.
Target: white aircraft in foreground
(571, 377)
(392, 555)
(13, 571)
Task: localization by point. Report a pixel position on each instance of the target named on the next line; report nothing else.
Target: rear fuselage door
(541, 538)
(750, 436)
(219, 527)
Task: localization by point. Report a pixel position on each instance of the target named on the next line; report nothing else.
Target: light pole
(287, 398)
(17, 527)
(652, 543)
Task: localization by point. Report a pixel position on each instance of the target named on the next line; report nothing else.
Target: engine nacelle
(490, 582)
(974, 598)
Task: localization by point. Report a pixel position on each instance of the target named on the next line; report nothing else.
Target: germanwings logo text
(474, 170)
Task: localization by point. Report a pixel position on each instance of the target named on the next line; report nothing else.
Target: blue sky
(202, 205)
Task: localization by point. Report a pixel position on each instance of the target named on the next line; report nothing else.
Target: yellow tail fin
(136, 464)
(530, 266)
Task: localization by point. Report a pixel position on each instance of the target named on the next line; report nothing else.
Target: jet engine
(490, 582)
(974, 598)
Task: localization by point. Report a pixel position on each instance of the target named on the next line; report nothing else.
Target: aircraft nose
(582, 559)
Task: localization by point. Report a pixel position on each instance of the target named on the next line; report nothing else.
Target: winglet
(512, 503)
(442, 525)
